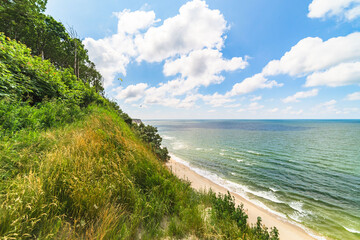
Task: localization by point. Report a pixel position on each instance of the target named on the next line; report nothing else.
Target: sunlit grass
(95, 179)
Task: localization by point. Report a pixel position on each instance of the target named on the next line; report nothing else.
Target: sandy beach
(287, 230)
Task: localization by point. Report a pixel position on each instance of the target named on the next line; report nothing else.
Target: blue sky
(234, 59)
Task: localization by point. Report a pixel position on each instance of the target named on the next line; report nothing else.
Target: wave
(167, 137)
(352, 230)
(255, 153)
(237, 159)
(179, 145)
(242, 191)
(297, 206)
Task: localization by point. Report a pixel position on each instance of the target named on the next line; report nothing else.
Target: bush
(149, 135)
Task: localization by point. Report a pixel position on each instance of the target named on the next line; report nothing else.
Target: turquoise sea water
(307, 171)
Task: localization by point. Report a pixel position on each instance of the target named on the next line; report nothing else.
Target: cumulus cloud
(353, 96)
(348, 9)
(163, 95)
(202, 67)
(314, 54)
(195, 27)
(340, 75)
(190, 43)
(132, 22)
(131, 93)
(258, 81)
(296, 96)
(334, 59)
(112, 54)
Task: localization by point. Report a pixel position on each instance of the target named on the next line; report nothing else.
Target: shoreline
(286, 229)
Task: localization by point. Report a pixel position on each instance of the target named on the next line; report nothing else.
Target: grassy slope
(95, 179)
(70, 170)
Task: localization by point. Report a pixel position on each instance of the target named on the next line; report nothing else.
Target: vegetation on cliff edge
(73, 166)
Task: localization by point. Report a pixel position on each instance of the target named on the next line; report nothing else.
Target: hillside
(72, 166)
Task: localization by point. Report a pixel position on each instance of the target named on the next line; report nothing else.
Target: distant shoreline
(287, 230)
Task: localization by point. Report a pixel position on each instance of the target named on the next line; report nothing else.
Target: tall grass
(95, 179)
(71, 166)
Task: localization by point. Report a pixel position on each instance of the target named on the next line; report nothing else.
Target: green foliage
(72, 164)
(231, 221)
(224, 206)
(150, 136)
(24, 21)
(95, 179)
(31, 79)
(16, 115)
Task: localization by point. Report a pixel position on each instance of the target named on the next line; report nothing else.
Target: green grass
(72, 166)
(95, 179)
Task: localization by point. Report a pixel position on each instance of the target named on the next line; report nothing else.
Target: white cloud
(296, 96)
(353, 96)
(327, 107)
(353, 13)
(252, 107)
(255, 106)
(132, 22)
(164, 96)
(195, 27)
(112, 54)
(202, 67)
(190, 42)
(189, 101)
(216, 100)
(131, 93)
(310, 56)
(350, 110)
(273, 110)
(233, 105)
(258, 81)
(314, 54)
(256, 98)
(289, 110)
(348, 9)
(340, 75)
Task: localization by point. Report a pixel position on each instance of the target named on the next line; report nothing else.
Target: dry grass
(94, 179)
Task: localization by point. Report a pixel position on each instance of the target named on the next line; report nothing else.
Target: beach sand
(287, 230)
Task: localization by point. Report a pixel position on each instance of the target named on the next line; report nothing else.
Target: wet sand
(287, 230)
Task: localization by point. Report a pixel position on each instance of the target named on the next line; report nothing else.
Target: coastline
(287, 230)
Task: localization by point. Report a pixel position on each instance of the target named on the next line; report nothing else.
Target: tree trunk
(75, 58)
(78, 69)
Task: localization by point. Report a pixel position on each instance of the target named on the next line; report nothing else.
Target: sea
(306, 171)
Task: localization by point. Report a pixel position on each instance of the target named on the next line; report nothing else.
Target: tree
(25, 21)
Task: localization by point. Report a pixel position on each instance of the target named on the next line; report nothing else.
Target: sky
(223, 59)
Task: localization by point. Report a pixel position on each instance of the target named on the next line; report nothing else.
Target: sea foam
(351, 230)
(242, 191)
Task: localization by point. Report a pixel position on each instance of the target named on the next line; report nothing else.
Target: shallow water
(305, 170)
